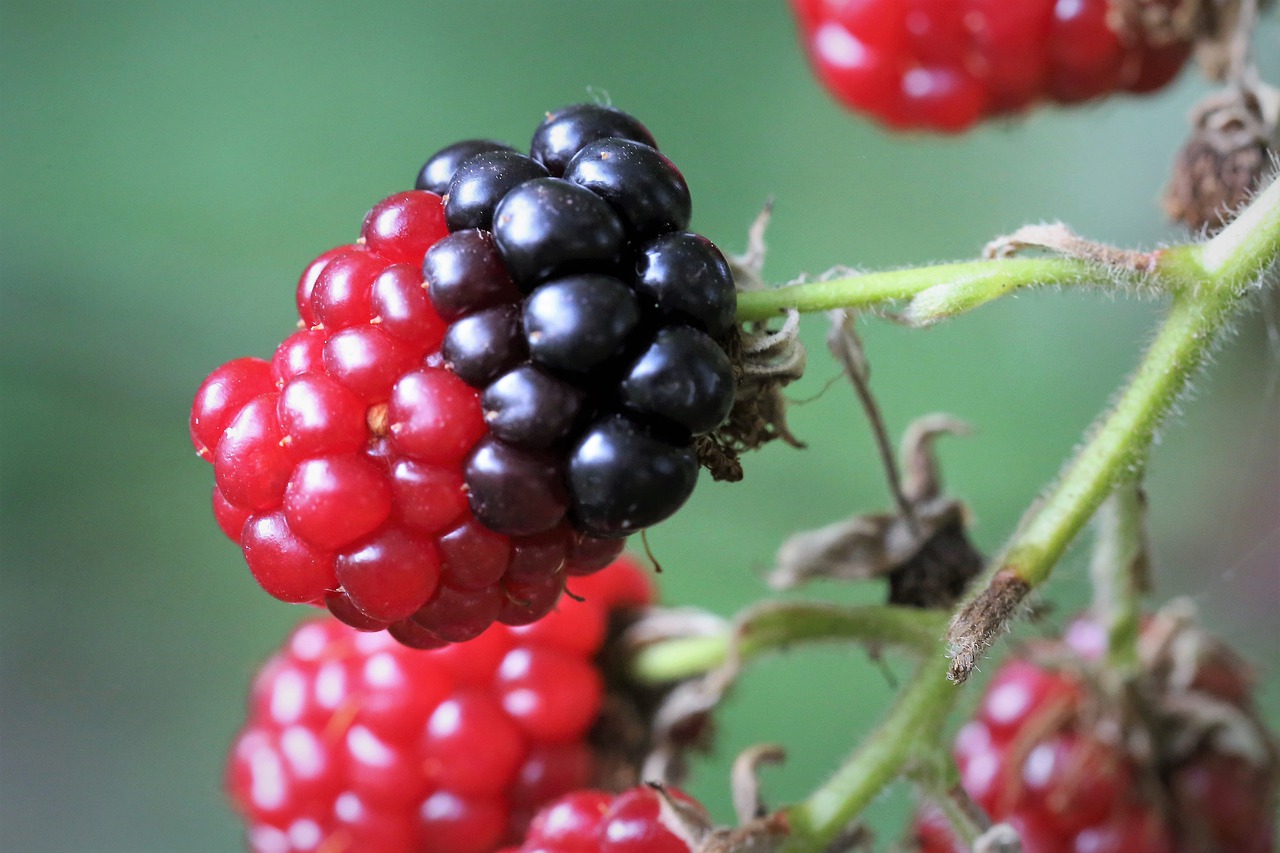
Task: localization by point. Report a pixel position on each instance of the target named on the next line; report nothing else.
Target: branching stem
(775, 627)
(1208, 283)
(968, 285)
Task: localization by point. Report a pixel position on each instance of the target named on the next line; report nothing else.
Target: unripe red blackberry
(531, 356)
(1074, 770)
(589, 821)
(355, 742)
(941, 66)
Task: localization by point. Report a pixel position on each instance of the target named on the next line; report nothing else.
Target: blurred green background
(169, 168)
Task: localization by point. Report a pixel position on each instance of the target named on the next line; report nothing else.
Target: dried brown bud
(1232, 146)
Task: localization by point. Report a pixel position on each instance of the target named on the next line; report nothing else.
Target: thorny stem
(775, 627)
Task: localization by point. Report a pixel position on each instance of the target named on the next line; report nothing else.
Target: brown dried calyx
(764, 361)
(924, 552)
(629, 732)
(1232, 147)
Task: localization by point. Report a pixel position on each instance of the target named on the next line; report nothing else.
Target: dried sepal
(765, 360)
(1232, 147)
(925, 555)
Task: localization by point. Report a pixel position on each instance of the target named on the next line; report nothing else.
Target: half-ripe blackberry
(567, 131)
(440, 167)
(645, 188)
(624, 478)
(682, 377)
(488, 392)
(689, 280)
(549, 226)
(482, 181)
(577, 323)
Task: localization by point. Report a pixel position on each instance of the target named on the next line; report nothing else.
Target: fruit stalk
(967, 285)
(773, 627)
(911, 729)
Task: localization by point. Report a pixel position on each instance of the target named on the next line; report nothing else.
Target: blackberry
(944, 66)
(490, 391)
(355, 743)
(633, 821)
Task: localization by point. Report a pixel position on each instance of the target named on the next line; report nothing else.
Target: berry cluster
(1038, 757)
(944, 64)
(357, 743)
(494, 386)
(595, 822)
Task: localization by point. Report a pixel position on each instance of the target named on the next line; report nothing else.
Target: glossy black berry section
(567, 131)
(438, 170)
(481, 182)
(623, 479)
(644, 187)
(549, 226)
(464, 273)
(689, 279)
(531, 408)
(683, 378)
(482, 346)
(513, 490)
(579, 322)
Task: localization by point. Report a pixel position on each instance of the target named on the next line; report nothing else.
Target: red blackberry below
(942, 65)
(1035, 757)
(468, 417)
(590, 821)
(356, 743)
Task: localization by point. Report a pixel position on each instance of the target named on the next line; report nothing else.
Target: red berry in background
(597, 822)
(942, 65)
(355, 742)
(445, 439)
(1073, 771)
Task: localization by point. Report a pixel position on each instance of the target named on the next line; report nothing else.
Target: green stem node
(778, 626)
